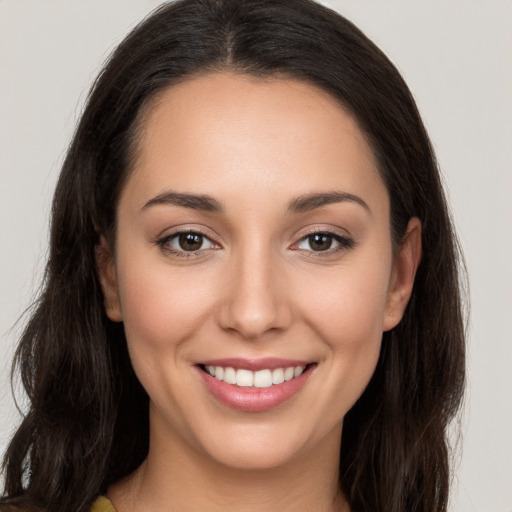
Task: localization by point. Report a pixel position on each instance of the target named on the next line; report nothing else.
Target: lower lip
(252, 399)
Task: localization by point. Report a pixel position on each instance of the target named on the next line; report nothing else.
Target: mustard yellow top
(102, 504)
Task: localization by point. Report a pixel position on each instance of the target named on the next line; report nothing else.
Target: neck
(176, 477)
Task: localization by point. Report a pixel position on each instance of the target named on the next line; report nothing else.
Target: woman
(252, 295)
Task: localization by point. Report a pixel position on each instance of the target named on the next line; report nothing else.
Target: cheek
(349, 308)
(351, 327)
(161, 306)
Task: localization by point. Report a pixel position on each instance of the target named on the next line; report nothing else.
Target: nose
(254, 300)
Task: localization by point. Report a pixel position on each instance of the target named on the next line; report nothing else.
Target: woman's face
(253, 237)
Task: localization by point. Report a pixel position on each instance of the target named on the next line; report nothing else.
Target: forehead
(226, 132)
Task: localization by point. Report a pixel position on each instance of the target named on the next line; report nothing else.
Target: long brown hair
(87, 424)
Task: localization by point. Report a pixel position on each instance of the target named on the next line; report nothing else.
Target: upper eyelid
(330, 230)
(337, 236)
(174, 235)
(333, 234)
(177, 230)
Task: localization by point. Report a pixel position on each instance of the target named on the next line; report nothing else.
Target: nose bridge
(253, 303)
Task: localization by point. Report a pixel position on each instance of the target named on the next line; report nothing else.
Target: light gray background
(456, 57)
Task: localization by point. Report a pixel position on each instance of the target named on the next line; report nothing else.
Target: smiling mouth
(254, 385)
(264, 378)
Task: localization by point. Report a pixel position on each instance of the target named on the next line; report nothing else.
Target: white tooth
(211, 370)
(244, 378)
(263, 379)
(229, 375)
(288, 373)
(298, 370)
(219, 372)
(277, 376)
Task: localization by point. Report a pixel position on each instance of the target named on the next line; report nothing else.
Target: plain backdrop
(457, 59)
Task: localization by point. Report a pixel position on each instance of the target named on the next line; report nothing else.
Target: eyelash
(165, 242)
(343, 243)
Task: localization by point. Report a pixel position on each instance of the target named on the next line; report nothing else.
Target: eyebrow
(300, 204)
(196, 202)
(312, 201)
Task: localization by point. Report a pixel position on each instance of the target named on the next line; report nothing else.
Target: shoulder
(102, 504)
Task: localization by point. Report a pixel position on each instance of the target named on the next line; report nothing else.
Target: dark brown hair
(87, 424)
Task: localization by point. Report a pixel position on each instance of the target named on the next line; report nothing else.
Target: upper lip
(265, 363)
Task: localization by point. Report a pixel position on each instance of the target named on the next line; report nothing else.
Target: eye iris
(320, 242)
(190, 241)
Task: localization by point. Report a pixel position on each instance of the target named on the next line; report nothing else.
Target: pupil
(320, 242)
(190, 241)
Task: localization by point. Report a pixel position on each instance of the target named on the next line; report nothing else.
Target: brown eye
(186, 243)
(190, 241)
(324, 241)
(320, 241)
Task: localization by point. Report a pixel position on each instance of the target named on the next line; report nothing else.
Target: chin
(255, 457)
(259, 447)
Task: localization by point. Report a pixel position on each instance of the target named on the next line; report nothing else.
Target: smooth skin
(268, 272)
